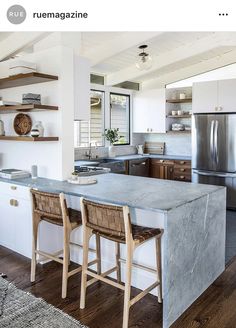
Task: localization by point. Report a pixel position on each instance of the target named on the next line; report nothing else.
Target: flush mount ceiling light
(144, 60)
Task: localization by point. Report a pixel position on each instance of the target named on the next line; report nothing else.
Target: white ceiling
(176, 55)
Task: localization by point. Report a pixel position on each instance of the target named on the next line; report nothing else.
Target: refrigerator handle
(216, 142)
(212, 148)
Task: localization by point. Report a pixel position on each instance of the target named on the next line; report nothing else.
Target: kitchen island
(193, 217)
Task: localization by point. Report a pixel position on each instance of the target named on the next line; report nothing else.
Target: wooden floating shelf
(179, 116)
(26, 79)
(179, 132)
(179, 101)
(26, 108)
(26, 138)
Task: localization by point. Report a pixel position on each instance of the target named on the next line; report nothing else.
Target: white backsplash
(174, 145)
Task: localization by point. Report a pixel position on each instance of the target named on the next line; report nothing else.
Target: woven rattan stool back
(104, 219)
(48, 206)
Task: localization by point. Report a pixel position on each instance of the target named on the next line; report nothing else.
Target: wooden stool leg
(36, 221)
(66, 252)
(98, 253)
(86, 236)
(159, 273)
(129, 260)
(118, 262)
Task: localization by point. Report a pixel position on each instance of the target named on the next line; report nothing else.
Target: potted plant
(112, 136)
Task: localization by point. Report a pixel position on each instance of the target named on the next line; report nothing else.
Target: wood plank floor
(214, 309)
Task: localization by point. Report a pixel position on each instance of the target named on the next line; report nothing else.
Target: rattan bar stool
(52, 208)
(114, 223)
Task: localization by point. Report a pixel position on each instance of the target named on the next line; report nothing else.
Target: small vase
(111, 151)
(39, 126)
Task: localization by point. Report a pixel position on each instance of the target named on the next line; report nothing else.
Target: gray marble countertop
(137, 192)
(136, 156)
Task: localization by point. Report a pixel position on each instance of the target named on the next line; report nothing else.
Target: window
(120, 116)
(117, 116)
(91, 132)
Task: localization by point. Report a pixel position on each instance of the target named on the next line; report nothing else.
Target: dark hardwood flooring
(214, 309)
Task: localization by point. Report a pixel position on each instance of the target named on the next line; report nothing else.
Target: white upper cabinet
(149, 111)
(81, 88)
(204, 97)
(214, 96)
(227, 95)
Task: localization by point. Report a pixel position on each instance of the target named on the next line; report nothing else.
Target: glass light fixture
(144, 60)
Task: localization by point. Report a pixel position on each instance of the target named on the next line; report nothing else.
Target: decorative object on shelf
(38, 126)
(177, 127)
(180, 112)
(144, 60)
(34, 133)
(174, 112)
(2, 131)
(31, 98)
(112, 136)
(18, 66)
(182, 96)
(22, 124)
(187, 127)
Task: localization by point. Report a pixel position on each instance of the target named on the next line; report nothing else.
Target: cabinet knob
(220, 108)
(182, 170)
(182, 162)
(151, 130)
(13, 187)
(182, 177)
(14, 202)
(161, 160)
(147, 129)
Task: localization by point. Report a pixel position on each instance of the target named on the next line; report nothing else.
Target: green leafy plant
(111, 135)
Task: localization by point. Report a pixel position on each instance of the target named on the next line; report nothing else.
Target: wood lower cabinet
(170, 169)
(182, 170)
(161, 169)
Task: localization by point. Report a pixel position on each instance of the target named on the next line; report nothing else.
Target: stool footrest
(102, 276)
(143, 293)
(50, 256)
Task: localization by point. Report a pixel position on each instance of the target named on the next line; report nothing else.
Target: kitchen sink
(114, 165)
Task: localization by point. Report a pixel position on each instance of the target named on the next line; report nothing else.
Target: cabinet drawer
(182, 177)
(15, 191)
(162, 161)
(182, 170)
(183, 163)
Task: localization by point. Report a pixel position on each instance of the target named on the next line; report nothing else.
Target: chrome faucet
(89, 152)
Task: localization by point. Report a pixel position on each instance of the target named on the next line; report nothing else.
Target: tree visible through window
(91, 132)
(120, 116)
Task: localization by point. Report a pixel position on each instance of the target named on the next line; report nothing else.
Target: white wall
(54, 159)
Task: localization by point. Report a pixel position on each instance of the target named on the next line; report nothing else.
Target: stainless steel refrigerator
(214, 152)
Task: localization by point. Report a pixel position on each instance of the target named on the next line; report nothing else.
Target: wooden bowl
(22, 124)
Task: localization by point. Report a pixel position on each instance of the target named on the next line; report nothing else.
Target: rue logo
(16, 14)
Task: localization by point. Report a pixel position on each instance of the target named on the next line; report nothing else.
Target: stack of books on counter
(14, 174)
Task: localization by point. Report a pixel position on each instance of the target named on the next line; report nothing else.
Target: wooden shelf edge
(26, 79)
(179, 101)
(179, 116)
(179, 132)
(26, 138)
(26, 108)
